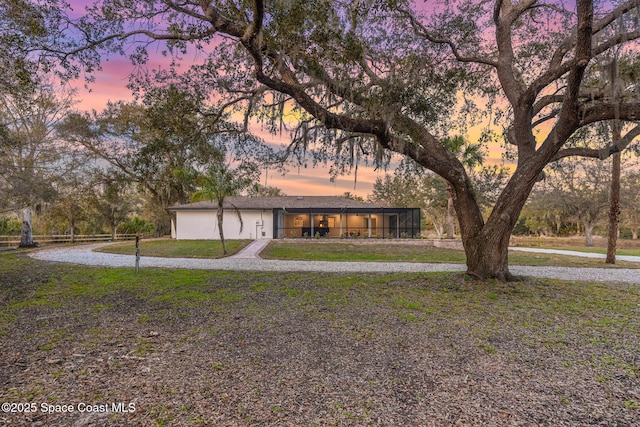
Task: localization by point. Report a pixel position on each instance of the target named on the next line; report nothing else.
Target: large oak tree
(31, 156)
(371, 77)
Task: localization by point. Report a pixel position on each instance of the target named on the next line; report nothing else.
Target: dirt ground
(258, 349)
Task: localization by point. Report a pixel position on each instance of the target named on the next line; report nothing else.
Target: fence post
(137, 253)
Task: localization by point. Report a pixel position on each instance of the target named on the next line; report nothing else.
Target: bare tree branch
(252, 32)
(609, 111)
(570, 110)
(121, 36)
(601, 153)
(421, 31)
(558, 68)
(619, 11)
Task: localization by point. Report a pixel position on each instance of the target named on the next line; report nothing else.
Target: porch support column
(347, 222)
(369, 225)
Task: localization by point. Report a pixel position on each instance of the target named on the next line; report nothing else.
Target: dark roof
(280, 202)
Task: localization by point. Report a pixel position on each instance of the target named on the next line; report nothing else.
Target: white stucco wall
(254, 224)
(202, 225)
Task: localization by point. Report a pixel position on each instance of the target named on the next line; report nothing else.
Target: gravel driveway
(86, 256)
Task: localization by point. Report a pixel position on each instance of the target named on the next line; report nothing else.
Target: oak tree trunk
(488, 255)
(26, 236)
(588, 233)
(73, 230)
(486, 245)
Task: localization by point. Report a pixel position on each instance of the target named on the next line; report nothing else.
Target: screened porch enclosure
(347, 223)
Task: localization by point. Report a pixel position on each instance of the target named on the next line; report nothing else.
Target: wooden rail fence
(48, 239)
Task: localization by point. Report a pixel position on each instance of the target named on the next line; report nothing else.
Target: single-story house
(273, 217)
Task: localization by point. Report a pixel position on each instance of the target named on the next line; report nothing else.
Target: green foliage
(115, 200)
(258, 190)
(221, 181)
(348, 195)
(630, 202)
(22, 29)
(398, 191)
(135, 225)
(10, 226)
(572, 192)
(173, 129)
(404, 190)
(469, 154)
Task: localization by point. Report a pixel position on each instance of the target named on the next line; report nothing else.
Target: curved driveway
(248, 260)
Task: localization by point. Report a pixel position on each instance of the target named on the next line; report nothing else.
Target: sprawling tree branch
(422, 31)
(601, 153)
(557, 68)
(569, 114)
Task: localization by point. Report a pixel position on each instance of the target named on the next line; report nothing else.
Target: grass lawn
(177, 248)
(331, 250)
(314, 250)
(631, 252)
(328, 250)
(191, 348)
(577, 243)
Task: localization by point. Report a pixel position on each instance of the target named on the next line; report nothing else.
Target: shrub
(135, 225)
(10, 227)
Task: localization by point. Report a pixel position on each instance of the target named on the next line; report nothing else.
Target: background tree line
(574, 199)
(117, 170)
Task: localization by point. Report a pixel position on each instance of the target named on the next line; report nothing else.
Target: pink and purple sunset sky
(110, 85)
